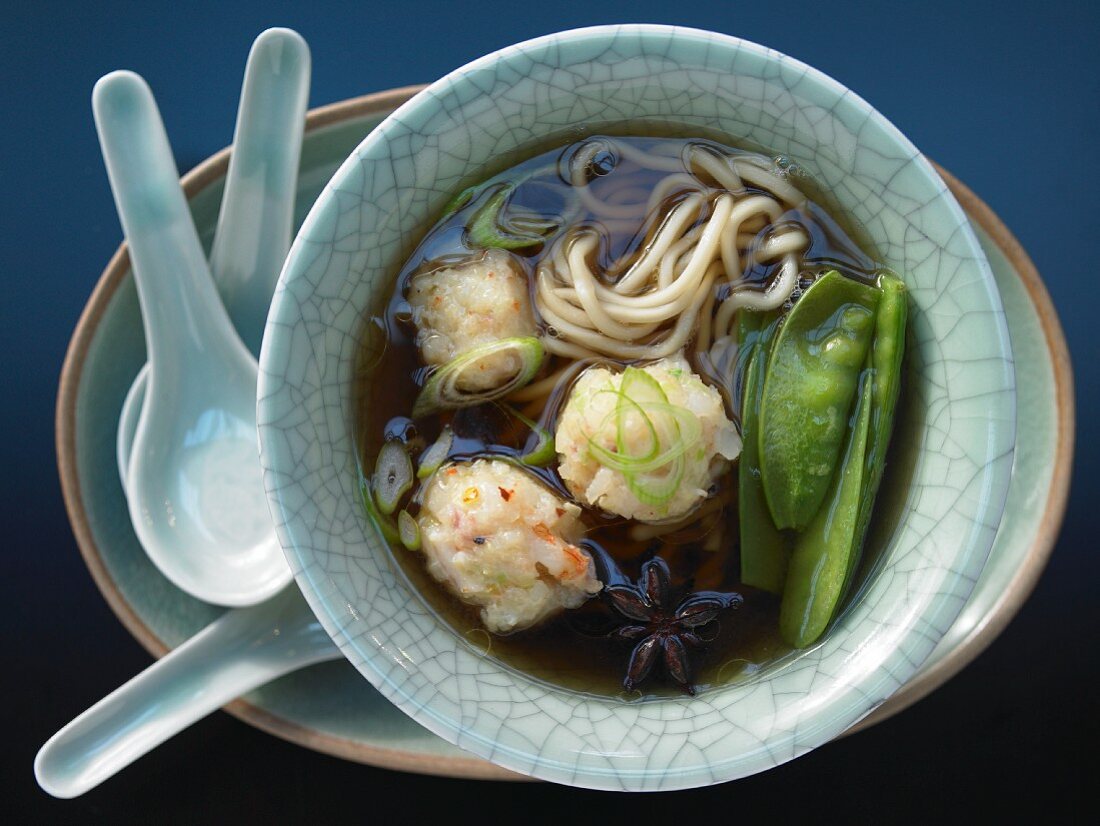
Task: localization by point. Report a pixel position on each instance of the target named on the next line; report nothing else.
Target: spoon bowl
(195, 488)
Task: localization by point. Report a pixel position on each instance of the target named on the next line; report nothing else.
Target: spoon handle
(257, 212)
(241, 650)
(182, 313)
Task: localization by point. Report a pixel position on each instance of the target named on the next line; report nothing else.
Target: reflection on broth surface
(643, 390)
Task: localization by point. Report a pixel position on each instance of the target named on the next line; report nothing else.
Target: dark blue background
(1005, 95)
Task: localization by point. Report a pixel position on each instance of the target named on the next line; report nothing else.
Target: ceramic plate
(330, 707)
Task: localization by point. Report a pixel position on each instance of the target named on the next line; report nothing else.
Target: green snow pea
(765, 551)
(812, 375)
(886, 355)
(823, 552)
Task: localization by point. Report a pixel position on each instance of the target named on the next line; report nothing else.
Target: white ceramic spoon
(194, 486)
(255, 222)
(238, 652)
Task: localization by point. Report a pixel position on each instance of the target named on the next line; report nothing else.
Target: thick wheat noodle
(541, 389)
(733, 172)
(702, 340)
(674, 275)
(584, 286)
(585, 342)
(779, 289)
(534, 408)
(648, 159)
(556, 301)
(701, 257)
(673, 184)
(558, 347)
(561, 301)
(679, 219)
(724, 174)
(779, 244)
(744, 209)
(702, 253)
(766, 179)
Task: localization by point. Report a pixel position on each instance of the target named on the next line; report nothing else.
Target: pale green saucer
(330, 707)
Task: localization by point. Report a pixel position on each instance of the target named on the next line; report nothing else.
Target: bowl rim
(214, 167)
(856, 699)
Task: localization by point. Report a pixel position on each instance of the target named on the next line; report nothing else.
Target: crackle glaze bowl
(949, 491)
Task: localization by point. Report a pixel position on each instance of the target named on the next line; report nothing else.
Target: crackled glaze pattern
(348, 251)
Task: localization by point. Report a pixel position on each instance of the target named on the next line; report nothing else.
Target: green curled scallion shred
(458, 202)
(442, 391)
(687, 434)
(408, 531)
(435, 454)
(654, 472)
(543, 453)
(393, 476)
(383, 523)
(488, 228)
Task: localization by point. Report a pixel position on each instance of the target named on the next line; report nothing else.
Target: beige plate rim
(979, 638)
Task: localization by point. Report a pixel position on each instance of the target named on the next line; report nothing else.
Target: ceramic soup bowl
(959, 405)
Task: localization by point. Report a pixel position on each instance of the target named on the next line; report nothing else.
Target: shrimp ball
(459, 308)
(645, 443)
(501, 540)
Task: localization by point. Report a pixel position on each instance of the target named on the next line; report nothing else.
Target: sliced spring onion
(408, 531)
(656, 490)
(680, 439)
(458, 202)
(432, 458)
(442, 390)
(638, 387)
(393, 476)
(488, 229)
(653, 472)
(543, 453)
(383, 523)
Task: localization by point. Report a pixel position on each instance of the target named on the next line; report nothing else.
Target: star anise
(659, 631)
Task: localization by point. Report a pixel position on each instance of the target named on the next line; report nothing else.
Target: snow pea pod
(764, 549)
(823, 552)
(886, 355)
(812, 376)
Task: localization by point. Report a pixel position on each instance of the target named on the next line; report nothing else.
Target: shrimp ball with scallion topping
(501, 540)
(459, 308)
(646, 443)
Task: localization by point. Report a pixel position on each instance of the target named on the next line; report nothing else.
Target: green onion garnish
(408, 531)
(488, 228)
(543, 452)
(393, 476)
(652, 471)
(442, 390)
(432, 458)
(383, 523)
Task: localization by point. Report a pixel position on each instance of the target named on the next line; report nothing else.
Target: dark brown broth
(568, 650)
